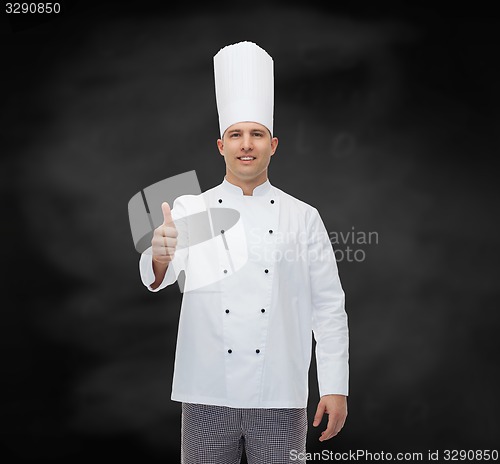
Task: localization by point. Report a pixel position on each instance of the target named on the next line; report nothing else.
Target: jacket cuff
(148, 275)
(334, 382)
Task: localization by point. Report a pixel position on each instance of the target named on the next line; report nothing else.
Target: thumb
(167, 214)
(319, 414)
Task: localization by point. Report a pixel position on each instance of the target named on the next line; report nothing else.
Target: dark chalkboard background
(388, 123)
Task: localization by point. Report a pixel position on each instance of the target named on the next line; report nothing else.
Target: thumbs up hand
(164, 239)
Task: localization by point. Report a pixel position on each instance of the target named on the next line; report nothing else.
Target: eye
(234, 135)
(257, 134)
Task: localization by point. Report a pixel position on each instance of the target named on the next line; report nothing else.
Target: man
(253, 294)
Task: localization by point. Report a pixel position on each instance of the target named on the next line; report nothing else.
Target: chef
(253, 294)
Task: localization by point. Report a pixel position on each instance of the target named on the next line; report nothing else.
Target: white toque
(244, 85)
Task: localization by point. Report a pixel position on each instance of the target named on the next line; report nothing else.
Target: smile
(246, 158)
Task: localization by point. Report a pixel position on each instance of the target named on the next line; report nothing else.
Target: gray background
(388, 123)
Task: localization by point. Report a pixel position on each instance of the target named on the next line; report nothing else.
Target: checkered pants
(218, 434)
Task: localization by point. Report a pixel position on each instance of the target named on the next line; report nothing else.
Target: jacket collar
(260, 190)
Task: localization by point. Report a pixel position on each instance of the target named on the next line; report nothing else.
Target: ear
(274, 145)
(220, 146)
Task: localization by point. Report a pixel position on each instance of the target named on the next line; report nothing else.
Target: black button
(220, 200)
(266, 270)
(227, 311)
(257, 351)
(222, 231)
(272, 201)
(270, 231)
(262, 310)
(229, 351)
(225, 271)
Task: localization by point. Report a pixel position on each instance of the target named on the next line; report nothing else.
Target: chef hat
(244, 85)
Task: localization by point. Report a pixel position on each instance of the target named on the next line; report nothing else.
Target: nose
(246, 143)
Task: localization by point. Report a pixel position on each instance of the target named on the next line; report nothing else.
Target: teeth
(246, 158)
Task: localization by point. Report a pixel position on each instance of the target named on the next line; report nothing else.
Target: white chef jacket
(254, 295)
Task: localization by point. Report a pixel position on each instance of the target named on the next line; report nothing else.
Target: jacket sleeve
(181, 253)
(329, 318)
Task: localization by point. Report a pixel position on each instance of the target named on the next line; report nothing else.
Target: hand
(164, 239)
(336, 408)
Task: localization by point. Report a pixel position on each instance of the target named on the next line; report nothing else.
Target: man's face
(247, 148)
